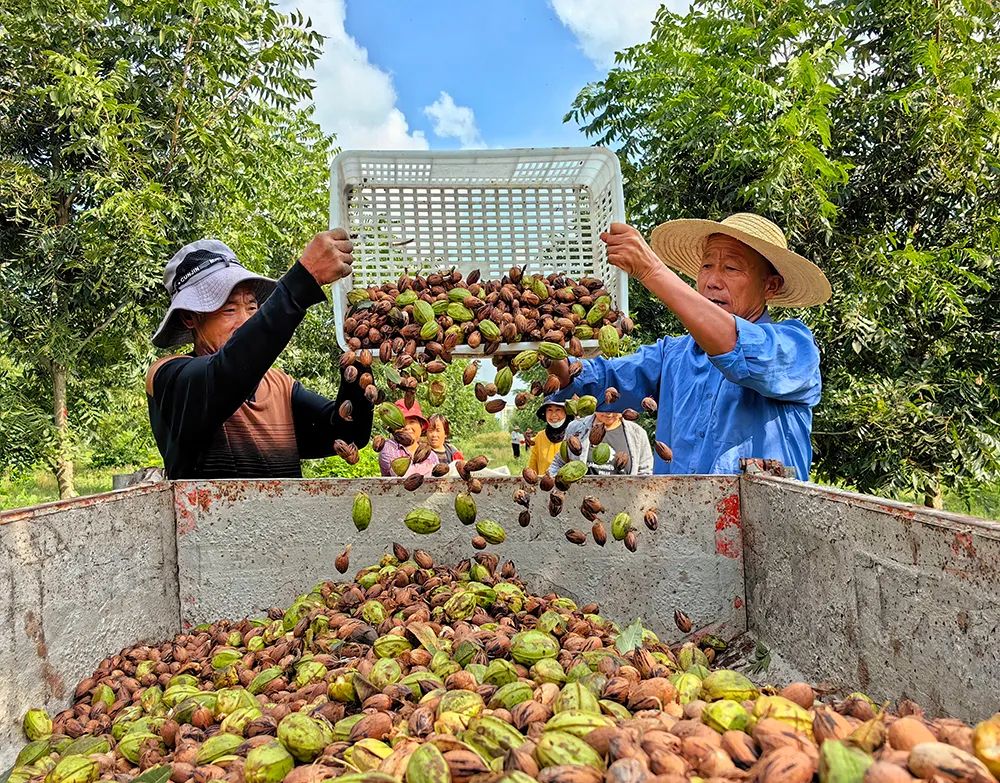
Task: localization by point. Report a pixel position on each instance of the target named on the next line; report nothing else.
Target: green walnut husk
(308, 672)
(103, 694)
(427, 765)
(265, 677)
(225, 658)
(460, 606)
(36, 724)
(361, 510)
(268, 764)
(726, 684)
(500, 672)
(725, 715)
(423, 520)
(391, 645)
(366, 754)
(556, 748)
(548, 670)
(217, 746)
(228, 700)
(842, 763)
(132, 743)
(529, 647)
(510, 695)
(74, 769)
(386, 671)
(576, 697)
(304, 737)
(492, 531)
(491, 737)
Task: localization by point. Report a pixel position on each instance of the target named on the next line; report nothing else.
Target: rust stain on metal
(738, 602)
(962, 544)
(185, 517)
(33, 628)
(728, 527)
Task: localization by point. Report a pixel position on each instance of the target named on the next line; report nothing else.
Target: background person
(438, 434)
(621, 436)
(516, 441)
(547, 441)
(416, 425)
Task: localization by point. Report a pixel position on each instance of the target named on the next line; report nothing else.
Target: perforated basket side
(416, 212)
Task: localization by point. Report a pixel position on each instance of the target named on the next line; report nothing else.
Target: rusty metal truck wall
(873, 595)
(246, 545)
(79, 580)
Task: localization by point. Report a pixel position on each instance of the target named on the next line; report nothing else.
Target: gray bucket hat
(199, 278)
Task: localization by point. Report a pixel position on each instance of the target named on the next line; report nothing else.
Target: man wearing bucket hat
(738, 384)
(222, 411)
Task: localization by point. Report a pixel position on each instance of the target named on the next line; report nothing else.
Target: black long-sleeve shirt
(230, 415)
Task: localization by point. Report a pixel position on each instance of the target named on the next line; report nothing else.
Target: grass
(496, 447)
(40, 486)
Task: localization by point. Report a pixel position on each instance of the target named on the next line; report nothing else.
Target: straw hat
(679, 244)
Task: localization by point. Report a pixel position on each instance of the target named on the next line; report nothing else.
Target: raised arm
(710, 326)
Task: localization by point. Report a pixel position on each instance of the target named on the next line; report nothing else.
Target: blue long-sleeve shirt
(754, 401)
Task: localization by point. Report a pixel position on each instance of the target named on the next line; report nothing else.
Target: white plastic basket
(488, 210)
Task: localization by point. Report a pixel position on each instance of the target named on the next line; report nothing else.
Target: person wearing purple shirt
(416, 424)
(739, 384)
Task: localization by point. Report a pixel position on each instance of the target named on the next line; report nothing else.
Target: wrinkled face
(609, 420)
(415, 428)
(212, 330)
(435, 434)
(554, 416)
(736, 277)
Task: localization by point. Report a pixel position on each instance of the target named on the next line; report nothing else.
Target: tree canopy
(869, 132)
(126, 130)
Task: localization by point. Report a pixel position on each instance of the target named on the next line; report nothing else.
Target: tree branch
(180, 97)
(98, 329)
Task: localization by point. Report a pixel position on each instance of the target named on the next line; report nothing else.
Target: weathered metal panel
(889, 598)
(79, 580)
(244, 546)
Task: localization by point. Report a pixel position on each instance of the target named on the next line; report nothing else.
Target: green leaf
(630, 638)
(158, 774)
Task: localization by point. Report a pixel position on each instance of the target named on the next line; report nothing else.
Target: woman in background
(438, 434)
(547, 441)
(416, 424)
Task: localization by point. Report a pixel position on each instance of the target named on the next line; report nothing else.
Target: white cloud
(602, 28)
(453, 121)
(354, 98)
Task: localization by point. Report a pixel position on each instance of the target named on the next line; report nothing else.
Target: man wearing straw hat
(222, 411)
(738, 384)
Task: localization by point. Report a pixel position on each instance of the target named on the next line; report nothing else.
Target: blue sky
(444, 74)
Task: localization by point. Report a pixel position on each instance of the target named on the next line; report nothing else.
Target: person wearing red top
(438, 435)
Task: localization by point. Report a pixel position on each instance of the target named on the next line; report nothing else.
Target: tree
(127, 130)
(869, 132)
